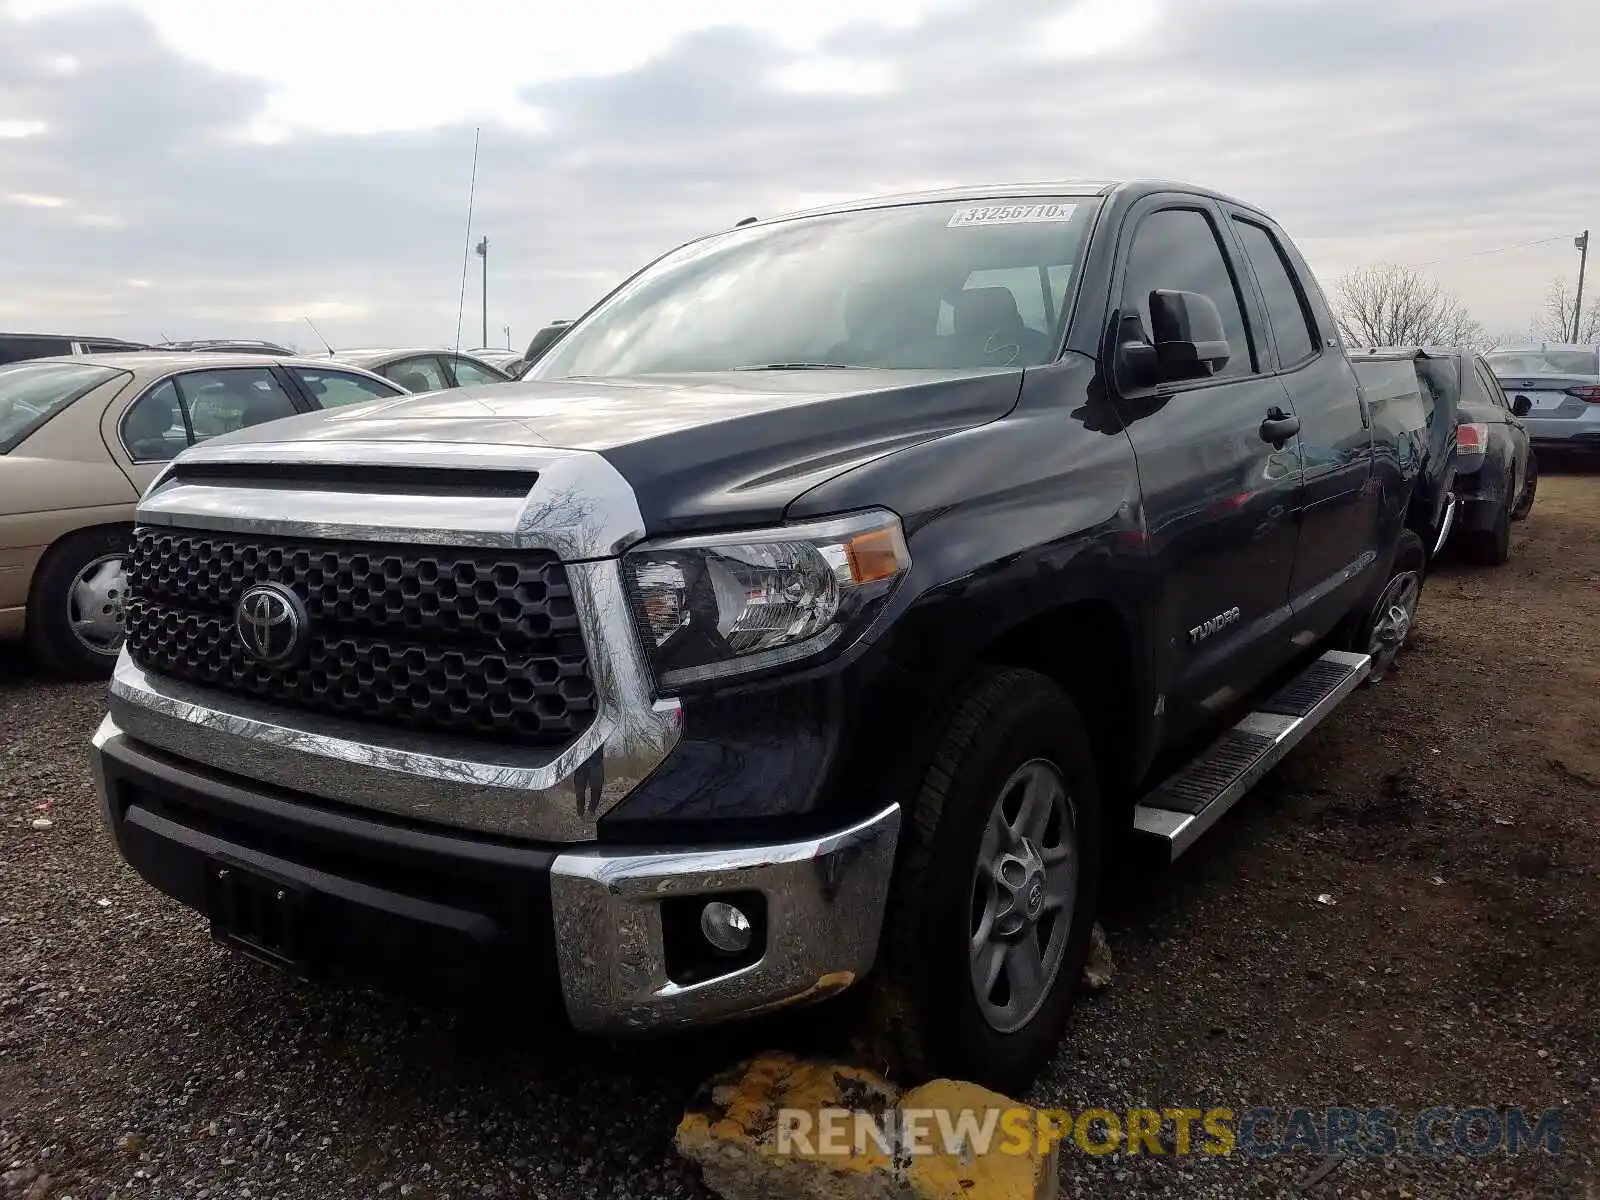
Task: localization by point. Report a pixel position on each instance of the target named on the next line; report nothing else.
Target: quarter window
(1286, 307)
(1177, 249)
(153, 429)
(1491, 385)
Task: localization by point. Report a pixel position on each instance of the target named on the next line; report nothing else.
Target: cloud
(1402, 130)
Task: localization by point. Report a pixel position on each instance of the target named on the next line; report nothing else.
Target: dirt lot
(1452, 815)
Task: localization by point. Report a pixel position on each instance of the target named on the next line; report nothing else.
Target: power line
(1497, 250)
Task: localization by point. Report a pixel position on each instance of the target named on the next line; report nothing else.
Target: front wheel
(995, 892)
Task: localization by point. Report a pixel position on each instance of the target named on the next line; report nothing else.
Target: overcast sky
(201, 168)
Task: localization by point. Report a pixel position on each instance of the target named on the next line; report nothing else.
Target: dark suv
(1494, 475)
(18, 347)
(823, 602)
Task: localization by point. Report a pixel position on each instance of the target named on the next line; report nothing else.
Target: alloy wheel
(1024, 889)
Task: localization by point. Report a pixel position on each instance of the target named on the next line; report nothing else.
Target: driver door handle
(1279, 427)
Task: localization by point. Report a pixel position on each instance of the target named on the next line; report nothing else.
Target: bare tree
(1389, 305)
(1506, 337)
(1555, 323)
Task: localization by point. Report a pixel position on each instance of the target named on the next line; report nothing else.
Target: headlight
(724, 604)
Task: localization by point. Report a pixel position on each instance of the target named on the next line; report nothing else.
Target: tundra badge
(1206, 628)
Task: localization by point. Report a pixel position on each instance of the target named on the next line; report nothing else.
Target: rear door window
(468, 373)
(335, 389)
(231, 398)
(31, 393)
(1286, 306)
(421, 374)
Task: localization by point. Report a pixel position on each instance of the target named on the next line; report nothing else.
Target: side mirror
(1137, 364)
(544, 339)
(1521, 406)
(1189, 338)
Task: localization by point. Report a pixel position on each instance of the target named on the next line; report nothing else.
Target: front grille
(483, 643)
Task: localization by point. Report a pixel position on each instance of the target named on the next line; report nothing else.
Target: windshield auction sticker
(1011, 214)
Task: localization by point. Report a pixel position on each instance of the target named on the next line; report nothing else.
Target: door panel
(1340, 505)
(1220, 502)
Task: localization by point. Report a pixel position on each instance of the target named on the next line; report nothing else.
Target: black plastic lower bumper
(365, 897)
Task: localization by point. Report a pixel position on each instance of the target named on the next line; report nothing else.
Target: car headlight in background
(723, 604)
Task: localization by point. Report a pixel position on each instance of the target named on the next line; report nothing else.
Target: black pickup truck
(828, 600)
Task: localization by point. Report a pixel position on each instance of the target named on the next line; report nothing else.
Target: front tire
(75, 605)
(995, 892)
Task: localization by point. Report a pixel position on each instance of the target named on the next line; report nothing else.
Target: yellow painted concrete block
(779, 1127)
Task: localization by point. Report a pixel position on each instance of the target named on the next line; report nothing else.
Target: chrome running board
(1190, 802)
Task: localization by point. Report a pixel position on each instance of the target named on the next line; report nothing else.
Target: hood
(699, 451)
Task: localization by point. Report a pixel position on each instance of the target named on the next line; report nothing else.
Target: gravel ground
(1451, 814)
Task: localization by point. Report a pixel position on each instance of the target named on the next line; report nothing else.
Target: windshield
(33, 392)
(1545, 362)
(964, 285)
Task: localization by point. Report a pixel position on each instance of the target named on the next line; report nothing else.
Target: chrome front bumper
(824, 896)
(825, 900)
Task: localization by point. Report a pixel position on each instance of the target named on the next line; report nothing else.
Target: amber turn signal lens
(876, 554)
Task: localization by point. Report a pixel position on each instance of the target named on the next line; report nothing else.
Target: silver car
(425, 370)
(1561, 383)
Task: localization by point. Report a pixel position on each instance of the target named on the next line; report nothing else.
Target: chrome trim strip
(467, 783)
(1446, 523)
(581, 507)
(1180, 830)
(825, 903)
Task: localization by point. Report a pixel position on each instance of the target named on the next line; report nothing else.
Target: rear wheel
(75, 624)
(994, 896)
(1530, 487)
(1492, 547)
(1384, 629)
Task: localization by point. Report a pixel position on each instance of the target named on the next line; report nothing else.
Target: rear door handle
(1279, 427)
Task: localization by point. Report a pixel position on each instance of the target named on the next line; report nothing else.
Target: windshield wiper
(800, 366)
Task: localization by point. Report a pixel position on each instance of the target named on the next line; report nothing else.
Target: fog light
(725, 927)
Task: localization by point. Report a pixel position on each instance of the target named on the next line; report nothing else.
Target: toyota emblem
(271, 623)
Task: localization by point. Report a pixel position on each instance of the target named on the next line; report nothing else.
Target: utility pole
(1582, 243)
(483, 253)
(506, 329)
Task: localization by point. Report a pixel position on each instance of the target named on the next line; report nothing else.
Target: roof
(365, 356)
(224, 343)
(176, 360)
(1536, 347)
(1053, 187)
